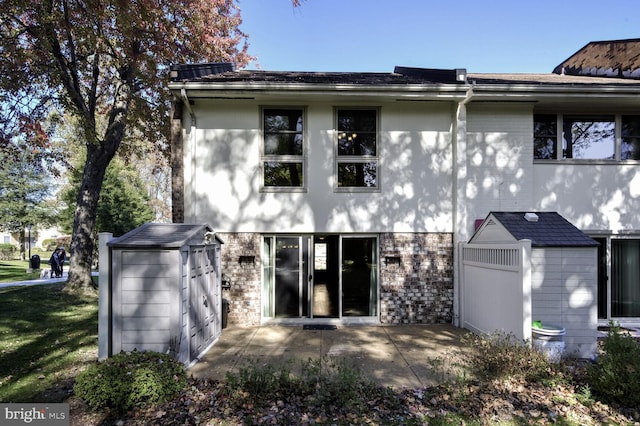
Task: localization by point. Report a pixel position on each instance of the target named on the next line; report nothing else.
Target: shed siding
(564, 292)
(146, 286)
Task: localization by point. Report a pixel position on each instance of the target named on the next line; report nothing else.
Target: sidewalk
(39, 281)
(36, 281)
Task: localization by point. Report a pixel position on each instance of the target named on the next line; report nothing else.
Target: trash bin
(34, 262)
(225, 312)
(549, 339)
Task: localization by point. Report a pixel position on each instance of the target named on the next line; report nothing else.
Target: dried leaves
(208, 402)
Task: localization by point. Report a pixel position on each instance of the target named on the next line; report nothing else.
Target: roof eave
(235, 89)
(557, 88)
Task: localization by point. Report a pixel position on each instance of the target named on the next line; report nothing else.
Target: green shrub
(49, 244)
(7, 251)
(258, 384)
(336, 381)
(131, 379)
(500, 355)
(326, 382)
(615, 377)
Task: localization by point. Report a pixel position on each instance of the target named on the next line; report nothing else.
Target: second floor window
(357, 149)
(283, 148)
(586, 137)
(630, 137)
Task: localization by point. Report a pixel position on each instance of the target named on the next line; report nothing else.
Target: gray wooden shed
(563, 272)
(165, 290)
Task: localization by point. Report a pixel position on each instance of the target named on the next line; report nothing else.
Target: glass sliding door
(319, 276)
(285, 268)
(268, 259)
(290, 272)
(359, 276)
(326, 276)
(625, 278)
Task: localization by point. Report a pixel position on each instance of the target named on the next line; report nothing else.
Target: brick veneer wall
(416, 277)
(241, 264)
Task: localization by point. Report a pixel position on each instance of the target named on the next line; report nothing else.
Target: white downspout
(459, 198)
(192, 158)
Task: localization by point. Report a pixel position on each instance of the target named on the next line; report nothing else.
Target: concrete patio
(408, 356)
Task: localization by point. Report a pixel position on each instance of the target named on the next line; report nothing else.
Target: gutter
(250, 89)
(459, 168)
(192, 148)
(185, 100)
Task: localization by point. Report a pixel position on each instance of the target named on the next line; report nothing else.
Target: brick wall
(416, 277)
(241, 263)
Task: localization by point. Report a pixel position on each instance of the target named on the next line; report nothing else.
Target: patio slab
(398, 356)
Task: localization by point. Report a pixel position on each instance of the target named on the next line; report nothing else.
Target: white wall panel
(415, 174)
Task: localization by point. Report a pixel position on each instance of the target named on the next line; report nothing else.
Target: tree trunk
(99, 155)
(82, 242)
(22, 248)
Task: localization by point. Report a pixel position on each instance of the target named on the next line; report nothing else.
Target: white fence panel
(496, 288)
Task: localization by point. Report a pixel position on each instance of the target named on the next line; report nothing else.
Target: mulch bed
(206, 402)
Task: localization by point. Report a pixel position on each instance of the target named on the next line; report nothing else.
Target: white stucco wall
(222, 174)
(499, 159)
(591, 196)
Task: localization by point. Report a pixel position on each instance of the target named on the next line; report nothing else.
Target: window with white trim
(283, 149)
(357, 149)
(605, 137)
(630, 137)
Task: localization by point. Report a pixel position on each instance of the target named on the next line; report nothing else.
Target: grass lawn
(44, 342)
(16, 270)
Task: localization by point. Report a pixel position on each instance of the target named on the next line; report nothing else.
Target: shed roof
(550, 230)
(613, 58)
(162, 235)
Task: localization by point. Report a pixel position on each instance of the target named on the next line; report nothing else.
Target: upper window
(283, 148)
(586, 137)
(545, 136)
(357, 149)
(630, 135)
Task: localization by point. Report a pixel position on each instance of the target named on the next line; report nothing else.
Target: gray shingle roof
(161, 235)
(225, 73)
(216, 73)
(551, 230)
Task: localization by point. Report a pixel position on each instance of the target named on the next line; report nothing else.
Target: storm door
(290, 289)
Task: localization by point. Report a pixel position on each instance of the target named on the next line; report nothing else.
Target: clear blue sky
(505, 36)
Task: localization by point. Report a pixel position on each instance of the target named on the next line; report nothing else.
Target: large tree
(25, 188)
(28, 166)
(123, 205)
(104, 57)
